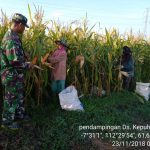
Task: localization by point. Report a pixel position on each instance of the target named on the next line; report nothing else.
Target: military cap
(20, 18)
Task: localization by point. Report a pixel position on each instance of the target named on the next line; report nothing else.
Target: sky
(123, 15)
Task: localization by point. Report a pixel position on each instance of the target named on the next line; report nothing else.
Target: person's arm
(58, 58)
(12, 50)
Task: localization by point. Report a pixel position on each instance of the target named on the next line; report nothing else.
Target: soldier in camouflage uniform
(13, 66)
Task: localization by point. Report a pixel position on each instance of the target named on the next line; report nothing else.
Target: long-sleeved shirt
(58, 59)
(128, 66)
(12, 55)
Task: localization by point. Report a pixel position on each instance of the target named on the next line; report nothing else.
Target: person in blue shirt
(127, 65)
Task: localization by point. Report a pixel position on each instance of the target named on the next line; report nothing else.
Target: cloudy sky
(120, 14)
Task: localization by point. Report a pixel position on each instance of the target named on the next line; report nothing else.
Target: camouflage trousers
(13, 96)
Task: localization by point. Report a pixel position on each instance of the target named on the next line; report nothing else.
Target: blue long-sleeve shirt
(128, 66)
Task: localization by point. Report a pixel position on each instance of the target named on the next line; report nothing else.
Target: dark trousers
(129, 83)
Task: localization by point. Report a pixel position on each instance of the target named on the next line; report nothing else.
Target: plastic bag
(69, 99)
(143, 89)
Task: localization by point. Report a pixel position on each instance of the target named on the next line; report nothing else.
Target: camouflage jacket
(12, 53)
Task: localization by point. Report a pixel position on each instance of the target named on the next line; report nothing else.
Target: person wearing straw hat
(58, 60)
(12, 72)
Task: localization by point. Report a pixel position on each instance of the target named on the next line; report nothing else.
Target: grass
(53, 129)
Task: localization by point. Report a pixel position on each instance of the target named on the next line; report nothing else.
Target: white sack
(69, 99)
(143, 89)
